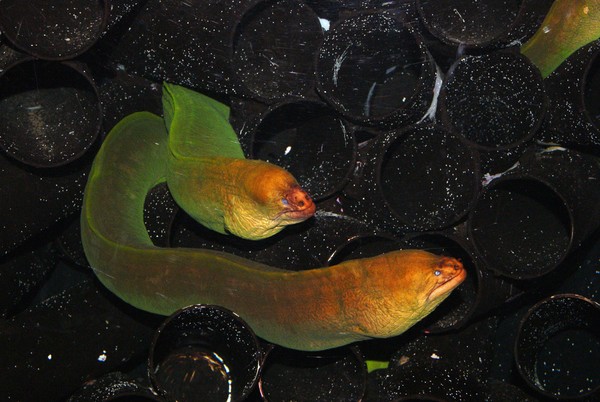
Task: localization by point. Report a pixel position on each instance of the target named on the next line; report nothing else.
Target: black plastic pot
(21, 275)
(557, 350)
(115, 387)
(528, 220)
(50, 114)
(376, 71)
(59, 344)
(413, 179)
(35, 200)
(305, 137)
(54, 30)
(122, 94)
(204, 353)
(482, 23)
(496, 102)
(274, 48)
(9, 55)
(253, 48)
(332, 375)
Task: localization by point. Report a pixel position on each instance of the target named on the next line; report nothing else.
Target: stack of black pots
(412, 123)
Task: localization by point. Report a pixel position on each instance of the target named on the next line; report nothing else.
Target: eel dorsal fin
(198, 126)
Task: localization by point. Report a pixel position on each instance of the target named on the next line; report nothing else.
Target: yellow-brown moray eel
(306, 310)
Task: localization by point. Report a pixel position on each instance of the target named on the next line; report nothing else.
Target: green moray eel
(569, 25)
(210, 178)
(307, 310)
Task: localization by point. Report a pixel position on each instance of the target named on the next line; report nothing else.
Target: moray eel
(569, 25)
(306, 310)
(210, 178)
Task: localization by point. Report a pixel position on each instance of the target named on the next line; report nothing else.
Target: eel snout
(299, 204)
(450, 273)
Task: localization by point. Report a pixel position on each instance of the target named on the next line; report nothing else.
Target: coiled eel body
(313, 309)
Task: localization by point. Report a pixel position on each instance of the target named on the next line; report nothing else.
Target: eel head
(271, 200)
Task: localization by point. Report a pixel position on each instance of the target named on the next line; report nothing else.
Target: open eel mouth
(450, 273)
(298, 205)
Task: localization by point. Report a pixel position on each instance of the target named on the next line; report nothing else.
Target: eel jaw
(299, 205)
(451, 274)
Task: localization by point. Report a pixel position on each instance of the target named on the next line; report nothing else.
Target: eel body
(569, 25)
(306, 310)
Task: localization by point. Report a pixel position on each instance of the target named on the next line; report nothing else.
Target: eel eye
(437, 272)
(285, 202)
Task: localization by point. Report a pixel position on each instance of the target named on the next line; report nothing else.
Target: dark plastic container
(376, 71)
(204, 353)
(557, 349)
(527, 221)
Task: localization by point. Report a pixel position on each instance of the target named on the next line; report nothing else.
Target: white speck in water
(50, 356)
(102, 357)
(435, 356)
(546, 29)
(324, 24)
(287, 150)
